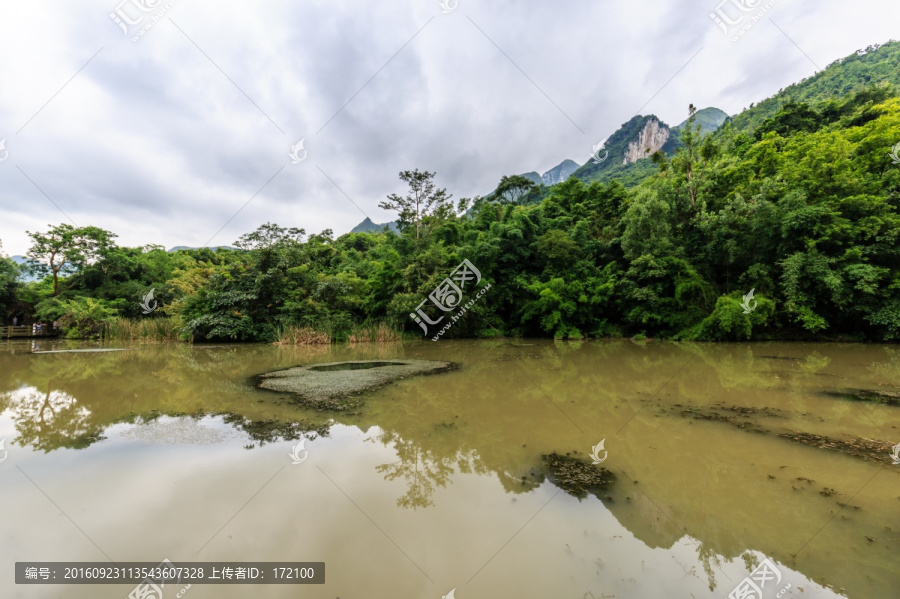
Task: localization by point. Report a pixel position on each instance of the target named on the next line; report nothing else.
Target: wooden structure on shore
(25, 331)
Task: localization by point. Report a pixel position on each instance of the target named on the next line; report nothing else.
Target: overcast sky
(166, 139)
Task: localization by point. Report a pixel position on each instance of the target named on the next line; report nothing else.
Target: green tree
(690, 160)
(512, 190)
(424, 199)
(269, 235)
(647, 230)
(792, 118)
(64, 247)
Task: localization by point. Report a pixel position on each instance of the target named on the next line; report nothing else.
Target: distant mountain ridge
(23, 261)
(367, 226)
(560, 172)
(634, 140)
(533, 177)
(627, 150)
(625, 155)
(554, 176)
(709, 119)
(624, 152)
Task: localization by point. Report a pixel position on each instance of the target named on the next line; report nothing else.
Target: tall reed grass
(140, 329)
(376, 332)
(297, 335)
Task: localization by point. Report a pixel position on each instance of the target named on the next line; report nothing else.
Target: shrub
(84, 316)
(728, 322)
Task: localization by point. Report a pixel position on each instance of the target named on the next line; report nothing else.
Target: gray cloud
(152, 141)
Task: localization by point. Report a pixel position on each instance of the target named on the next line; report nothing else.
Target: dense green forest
(877, 64)
(802, 207)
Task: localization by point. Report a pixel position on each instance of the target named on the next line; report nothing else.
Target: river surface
(437, 483)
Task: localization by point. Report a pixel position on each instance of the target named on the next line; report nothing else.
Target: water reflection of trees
(422, 469)
(477, 419)
(498, 401)
(49, 420)
(707, 555)
(113, 387)
(67, 400)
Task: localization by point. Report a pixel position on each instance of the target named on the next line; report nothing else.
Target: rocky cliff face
(651, 139)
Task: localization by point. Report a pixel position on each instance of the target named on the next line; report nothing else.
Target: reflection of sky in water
(141, 497)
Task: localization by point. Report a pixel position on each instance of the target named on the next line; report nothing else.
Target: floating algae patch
(889, 398)
(871, 450)
(354, 366)
(577, 477)
(712, 414)
(332, 386)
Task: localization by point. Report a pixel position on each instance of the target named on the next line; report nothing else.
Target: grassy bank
(297, 335)
(376, 332)
(141, 329)
(368, 332)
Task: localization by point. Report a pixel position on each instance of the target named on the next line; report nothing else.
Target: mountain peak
(709, 119)
(624, 154)
(368, 226)
(533, 177)
(560, 172)
(651, 138)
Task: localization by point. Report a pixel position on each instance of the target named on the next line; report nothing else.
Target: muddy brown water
(437, 482)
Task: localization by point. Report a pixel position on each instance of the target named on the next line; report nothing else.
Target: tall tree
(691, 160)
(513, 189)
(269, 235)
(65, 246)
(423, 200)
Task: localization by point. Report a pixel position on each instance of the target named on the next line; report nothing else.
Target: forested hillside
(803, 209)
(876, 64)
